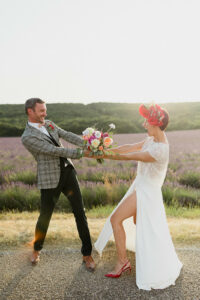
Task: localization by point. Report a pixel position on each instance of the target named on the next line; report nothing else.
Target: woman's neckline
(152, 138)
(161, 143)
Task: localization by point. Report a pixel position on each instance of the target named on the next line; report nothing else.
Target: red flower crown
(154, 114)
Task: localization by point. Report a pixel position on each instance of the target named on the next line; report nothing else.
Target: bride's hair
(165, 120)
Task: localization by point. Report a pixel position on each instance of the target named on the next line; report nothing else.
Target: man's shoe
(89, 263)
(35, 257)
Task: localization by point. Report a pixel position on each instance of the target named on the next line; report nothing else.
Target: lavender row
(101, 184)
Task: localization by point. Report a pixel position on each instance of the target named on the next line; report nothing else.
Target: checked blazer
(47, 154)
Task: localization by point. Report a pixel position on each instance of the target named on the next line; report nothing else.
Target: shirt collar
(36, 125)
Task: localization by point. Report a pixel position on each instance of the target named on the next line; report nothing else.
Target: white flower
(97, 134)
(88, 131)
(95, 143)
(112, 126)
(85, 132)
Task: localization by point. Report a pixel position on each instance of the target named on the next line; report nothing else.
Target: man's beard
(41, 121)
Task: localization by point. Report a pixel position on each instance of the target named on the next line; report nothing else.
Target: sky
(99, 50)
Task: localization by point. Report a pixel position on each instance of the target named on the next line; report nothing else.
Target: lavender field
(102, 184)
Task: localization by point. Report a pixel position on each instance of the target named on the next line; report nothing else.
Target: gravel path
(61, 275)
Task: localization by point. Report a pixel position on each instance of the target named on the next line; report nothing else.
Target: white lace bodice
(154, 172)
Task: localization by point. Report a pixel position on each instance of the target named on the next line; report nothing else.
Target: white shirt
(42, 128)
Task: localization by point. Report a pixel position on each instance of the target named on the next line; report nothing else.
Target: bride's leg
(127, 209)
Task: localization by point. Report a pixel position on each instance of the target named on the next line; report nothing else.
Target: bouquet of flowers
(97, 141)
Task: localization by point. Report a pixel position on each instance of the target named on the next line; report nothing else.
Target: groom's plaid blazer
(47, 154)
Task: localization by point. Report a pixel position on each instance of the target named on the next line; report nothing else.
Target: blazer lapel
(52, 132)
(38, 133)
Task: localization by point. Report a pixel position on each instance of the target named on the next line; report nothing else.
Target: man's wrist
(80, 152)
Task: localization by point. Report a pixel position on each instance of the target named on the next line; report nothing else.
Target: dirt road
(61, 275)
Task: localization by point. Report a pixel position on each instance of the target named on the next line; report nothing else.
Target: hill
(76, 117)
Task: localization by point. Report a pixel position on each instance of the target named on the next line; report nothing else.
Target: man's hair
(31, 103)
(165, 120)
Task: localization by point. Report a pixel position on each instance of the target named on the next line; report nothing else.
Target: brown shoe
(35, 257)
(89, 263)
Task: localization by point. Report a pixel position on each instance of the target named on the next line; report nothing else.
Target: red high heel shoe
(126, 267)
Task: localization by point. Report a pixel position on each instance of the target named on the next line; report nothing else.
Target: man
(55, 174)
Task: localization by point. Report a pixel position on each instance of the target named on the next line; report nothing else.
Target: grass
(179, 212)
(17, 229)
(183, 212)
(103, 212)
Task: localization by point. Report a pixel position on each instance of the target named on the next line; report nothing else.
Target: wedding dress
(157, 264)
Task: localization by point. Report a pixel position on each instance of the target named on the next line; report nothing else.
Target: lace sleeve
(146, 141)
(159, 151)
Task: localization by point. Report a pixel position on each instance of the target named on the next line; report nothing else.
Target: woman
(157, 264)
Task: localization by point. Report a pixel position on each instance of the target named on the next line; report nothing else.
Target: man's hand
(87, 153)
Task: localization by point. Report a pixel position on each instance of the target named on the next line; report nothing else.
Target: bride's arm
(128, 148)
(138, 156)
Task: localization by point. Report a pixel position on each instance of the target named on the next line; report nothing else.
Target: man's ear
(29, 111)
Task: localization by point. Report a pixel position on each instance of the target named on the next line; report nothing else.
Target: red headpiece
(154, 114)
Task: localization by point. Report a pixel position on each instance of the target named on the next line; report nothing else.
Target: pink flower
(91, 139)
(85, 137)
(107, 142)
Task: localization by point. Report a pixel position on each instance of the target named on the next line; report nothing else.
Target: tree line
(76, 117)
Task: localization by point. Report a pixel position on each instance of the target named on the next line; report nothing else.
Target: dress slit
(157, 264)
